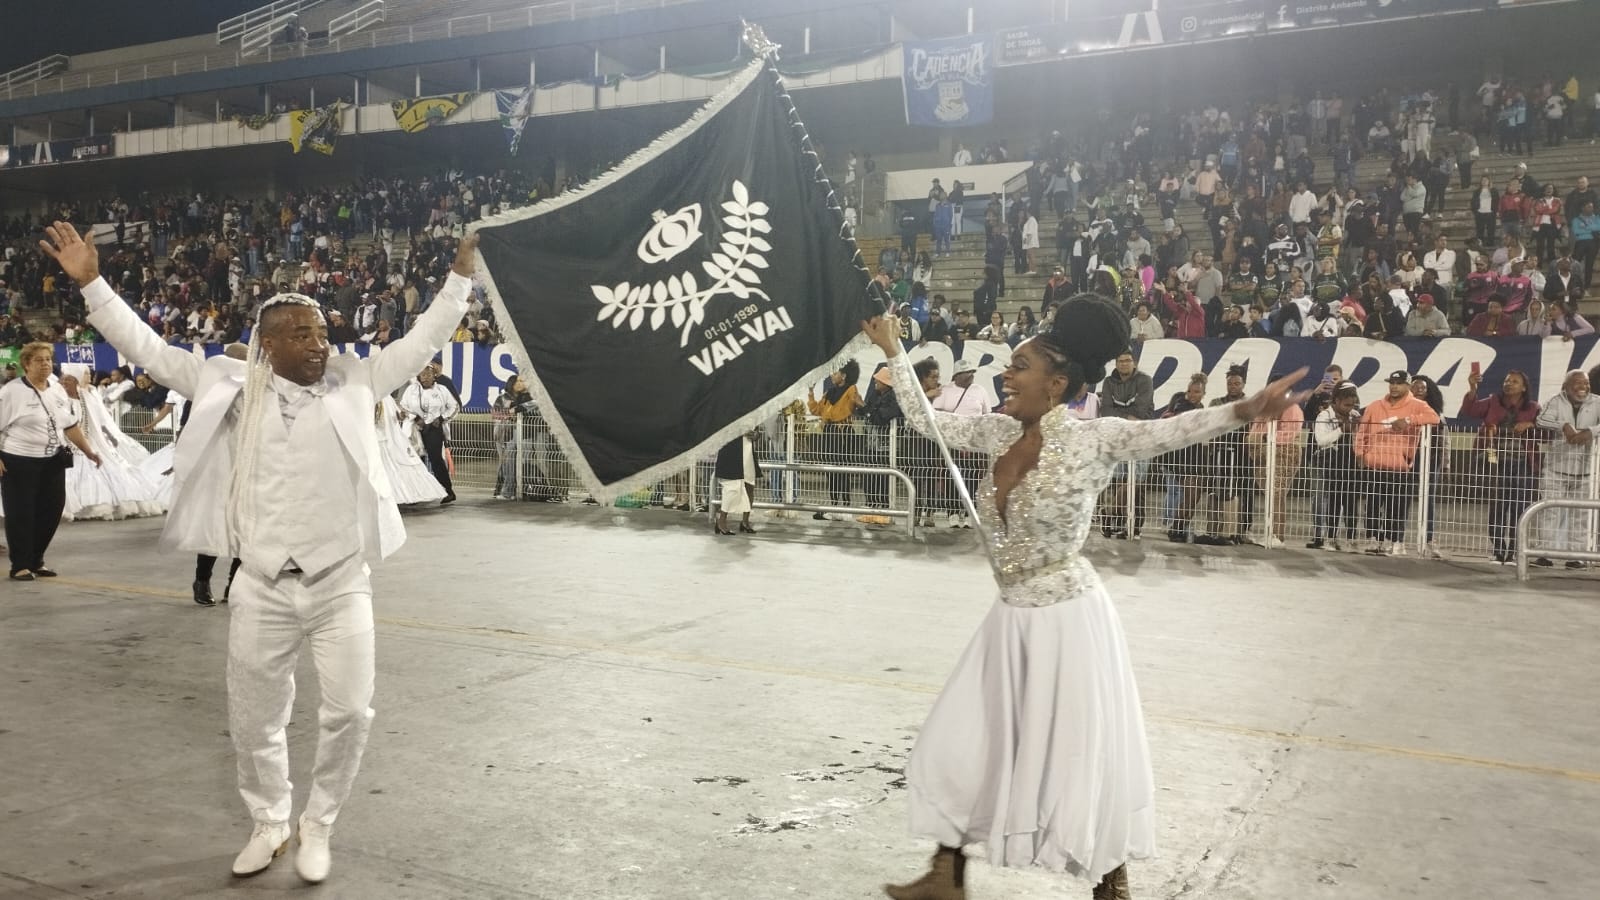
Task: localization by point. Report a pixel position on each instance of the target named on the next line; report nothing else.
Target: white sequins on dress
(1036, 745)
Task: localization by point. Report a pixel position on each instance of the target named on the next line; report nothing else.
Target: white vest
(305, 494)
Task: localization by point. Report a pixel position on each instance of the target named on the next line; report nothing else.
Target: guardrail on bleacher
(459, 26)
(247, 22)
(34, 71)
(365, 15)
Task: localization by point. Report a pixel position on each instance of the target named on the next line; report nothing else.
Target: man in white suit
(253, 479)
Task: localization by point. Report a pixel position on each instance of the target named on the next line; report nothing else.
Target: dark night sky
(35, 30)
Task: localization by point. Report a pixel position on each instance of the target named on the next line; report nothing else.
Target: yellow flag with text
(317, 129)
(420, 113)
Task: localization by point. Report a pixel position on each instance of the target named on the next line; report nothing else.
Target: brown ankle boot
(1114, 886)
(944, 880)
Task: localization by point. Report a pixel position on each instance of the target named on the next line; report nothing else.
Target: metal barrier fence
(1574, 518)
(1442, 492)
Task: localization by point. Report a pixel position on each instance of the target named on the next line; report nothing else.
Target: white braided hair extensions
(246, 439)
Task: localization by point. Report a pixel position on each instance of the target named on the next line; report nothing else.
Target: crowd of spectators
(1290, 251)
(197, 267)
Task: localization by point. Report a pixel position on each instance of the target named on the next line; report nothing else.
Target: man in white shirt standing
(1442, 260)
(433, 406)
(1301, 204)
(278, 467)
(1030, 241)
(963, 156)
(963, 397)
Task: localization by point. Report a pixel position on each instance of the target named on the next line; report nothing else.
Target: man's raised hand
(76, 256)
(1271, 401)
(466, 256)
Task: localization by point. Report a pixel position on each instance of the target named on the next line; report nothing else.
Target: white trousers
(271, 619)
(1567, 529)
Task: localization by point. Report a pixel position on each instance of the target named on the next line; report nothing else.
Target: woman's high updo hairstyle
(1088, 333)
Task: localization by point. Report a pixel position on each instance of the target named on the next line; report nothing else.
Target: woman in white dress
(408, 474)
(1036, 746)
(115, 489)
(738, 472)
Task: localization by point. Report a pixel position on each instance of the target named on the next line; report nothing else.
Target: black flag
(684, 296)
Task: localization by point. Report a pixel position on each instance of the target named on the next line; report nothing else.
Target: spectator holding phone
(1505, 453)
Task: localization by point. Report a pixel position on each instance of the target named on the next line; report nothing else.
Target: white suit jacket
(203, 460)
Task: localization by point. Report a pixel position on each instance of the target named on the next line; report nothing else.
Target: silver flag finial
(756, 39)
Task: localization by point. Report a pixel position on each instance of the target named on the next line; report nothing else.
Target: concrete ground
(581, 703)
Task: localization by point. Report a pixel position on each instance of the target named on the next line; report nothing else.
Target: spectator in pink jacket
(1386, 447)
(1188, 317)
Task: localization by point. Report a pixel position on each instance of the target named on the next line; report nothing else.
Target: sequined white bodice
(1037, 548)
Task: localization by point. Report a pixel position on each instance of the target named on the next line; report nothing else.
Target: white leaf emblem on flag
(733, 268)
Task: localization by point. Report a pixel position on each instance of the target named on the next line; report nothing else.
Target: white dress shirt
(293, 398)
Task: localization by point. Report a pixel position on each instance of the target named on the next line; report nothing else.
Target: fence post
(894, 463)
(1424, 482)
(791, 425)
(1269, 483)
(1132, 505)
(1593, 531)
(521, 438)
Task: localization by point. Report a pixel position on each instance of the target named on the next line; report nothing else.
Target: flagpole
(937, 437)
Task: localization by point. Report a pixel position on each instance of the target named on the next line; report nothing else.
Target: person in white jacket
(1335, 475)
(1322, 323)
(280, 467)
(1143, 326)
(1302, 203)
(1573, 417)
(1030, 241)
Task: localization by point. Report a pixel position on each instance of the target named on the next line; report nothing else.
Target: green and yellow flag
(419, 113)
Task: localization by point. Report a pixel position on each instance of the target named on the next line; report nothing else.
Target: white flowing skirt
(157, 468)
(1036, 746)
(735, 498)
(409, 476)
(112, 490)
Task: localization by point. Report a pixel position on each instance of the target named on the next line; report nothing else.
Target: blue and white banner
(480, 372)
(514, 107)
(949, 83)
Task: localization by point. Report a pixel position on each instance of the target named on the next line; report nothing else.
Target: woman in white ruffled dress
(1036, 746)
(408, 474)
(117, 489)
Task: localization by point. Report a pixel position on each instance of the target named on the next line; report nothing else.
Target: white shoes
(267, 843)
(1397, 548)
(1273, 543)
(1432, 551)
(312, 859)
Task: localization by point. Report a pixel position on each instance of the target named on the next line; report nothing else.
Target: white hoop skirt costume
(409, 476)
(1036, 746)
(117, 488)
(157, 468)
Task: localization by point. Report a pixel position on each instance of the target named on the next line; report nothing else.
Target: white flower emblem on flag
(734, 268)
